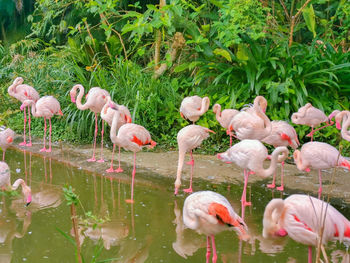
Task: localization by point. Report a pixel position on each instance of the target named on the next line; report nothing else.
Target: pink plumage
(6, 139)
(344, 119)
(193, 107)
(210, 213)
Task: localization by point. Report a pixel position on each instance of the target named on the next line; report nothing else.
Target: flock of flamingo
(207, 212)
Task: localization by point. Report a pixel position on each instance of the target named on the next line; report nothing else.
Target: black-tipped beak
(27, 204)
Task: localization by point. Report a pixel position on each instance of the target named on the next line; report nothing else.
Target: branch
(285, 9)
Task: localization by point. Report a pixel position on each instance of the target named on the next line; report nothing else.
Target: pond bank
(207, 167)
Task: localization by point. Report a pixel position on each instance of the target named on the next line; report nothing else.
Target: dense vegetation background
(151, 54)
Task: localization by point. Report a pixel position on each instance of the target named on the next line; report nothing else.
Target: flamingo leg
(230, 140)
(190, 190)
(119, 169)
(3, 156)
(93, 159)
(208, 249)
(320, 180)
(132, 182)
(50, 130)
(29, 121)
(244, 194)
(215, 256)
(281, 188)
(192, 160)
(44, 149)
(310, 255)
(102, 132)
(111, 170)
(313, 131)
(273, 185)
(24, 128)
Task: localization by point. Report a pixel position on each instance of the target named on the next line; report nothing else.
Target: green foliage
(71, 197)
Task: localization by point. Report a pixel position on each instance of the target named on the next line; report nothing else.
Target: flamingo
(95, 100)
(188, 138)
(5, 183)
(301, 217)
(193, 107)
(45, 107)
(210, 213)
(282, 134)
(224, 118)
(131, 137)
(252, 122)
(250, 154)
(318, 155)
(311, 116)
(6, 139)
(344, 118)
(125, 117)
(23, 92)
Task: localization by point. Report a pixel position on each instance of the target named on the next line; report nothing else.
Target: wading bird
(193, 107)
(342, 120)
(6, 139)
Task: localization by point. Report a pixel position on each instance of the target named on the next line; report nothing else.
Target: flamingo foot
(190, 162)
(43, 149)
(310, 134)
(245, 203)
(48, 150)
(176, 191)
(119, 170)
(188, 190)
(92, 159)
(271, 186)
(228, 162)
(29, 144)
(307, 170)
(129, 201)
(101, 161)
(110, 170)
(280, 188)
(22, 144)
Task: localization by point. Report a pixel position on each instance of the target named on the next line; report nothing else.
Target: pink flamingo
(188, 138)
(45, 107)
(210, 213)
(124, 117)
(318, 155)
(224, 118)
(6, 139)
(251, 154)
(311, 116)
(252, 122)
(344, 118)
(23, 92)
(193, 107)
(301, 217)
(95, 100)
(282, 134)
(131, 137)
(5, 183)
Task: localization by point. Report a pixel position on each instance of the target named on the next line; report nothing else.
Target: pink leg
(215, 256)
(208, 249)
(192, 160)
(3, 156)
(281, 188)
(273, 185)
(29, 121)
(119, 169)
(132, 182)
(190, 190)
(93, 159)
(24, 128)
(111, 170)
(313, 131)
(102, 131)
(44, 149)
(320, 180)
(230, 140)
(50, 130)
(310, 255)
(243, 198)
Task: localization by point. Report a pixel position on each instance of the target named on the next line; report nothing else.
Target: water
(150, 230)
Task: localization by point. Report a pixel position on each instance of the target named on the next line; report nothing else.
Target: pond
(150, 230)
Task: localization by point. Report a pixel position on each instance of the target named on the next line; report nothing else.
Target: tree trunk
(158, 40)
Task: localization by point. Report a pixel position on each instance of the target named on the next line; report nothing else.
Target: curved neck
(274, 159)
(267, 122)
(80, 96)
(105, 107)
(113, 131)
(17, 183)
(32, 104)
(204, 106)
(11, 90)
(217, 111)
(344, 128)
(297, 160)
(276, 205)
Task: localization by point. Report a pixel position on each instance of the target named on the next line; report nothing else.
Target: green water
(150, 230)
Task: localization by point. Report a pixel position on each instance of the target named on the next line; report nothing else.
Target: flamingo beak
(211, 131)
(60, 112)
(182, 116)
(281, 233)
(22, 107)
(219, 156)
(29, 200)
(338, 125)
(9, 139)
(128, 119)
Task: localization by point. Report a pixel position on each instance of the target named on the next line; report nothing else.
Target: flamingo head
(223, 157)
(9, 139)
(113, 106)
(18, 80)
(27, 192)
(25, 104)
(281, 232)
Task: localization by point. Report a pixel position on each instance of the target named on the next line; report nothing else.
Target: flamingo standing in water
(6, 139)
(318, 155)
(124, 117)
(344, 119)
(311, 116)
(193, 107)
(131, 137)
(301, 217)
(210, 213)
(188, 138)
(224, 118)
(95, 100)
(251, 154)
(45, 107)
(252, 122)
(282, 134)
(24, 92)
(5, 183)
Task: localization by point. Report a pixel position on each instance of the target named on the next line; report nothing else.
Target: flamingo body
(282, 134)
(344, 118)
(193, 107)
(6, 139)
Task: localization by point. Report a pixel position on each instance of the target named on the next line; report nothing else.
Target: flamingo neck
(17, 183)
(344, 128)
(81, 106)
(113, 131)
(33, 110)
(274, 159)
